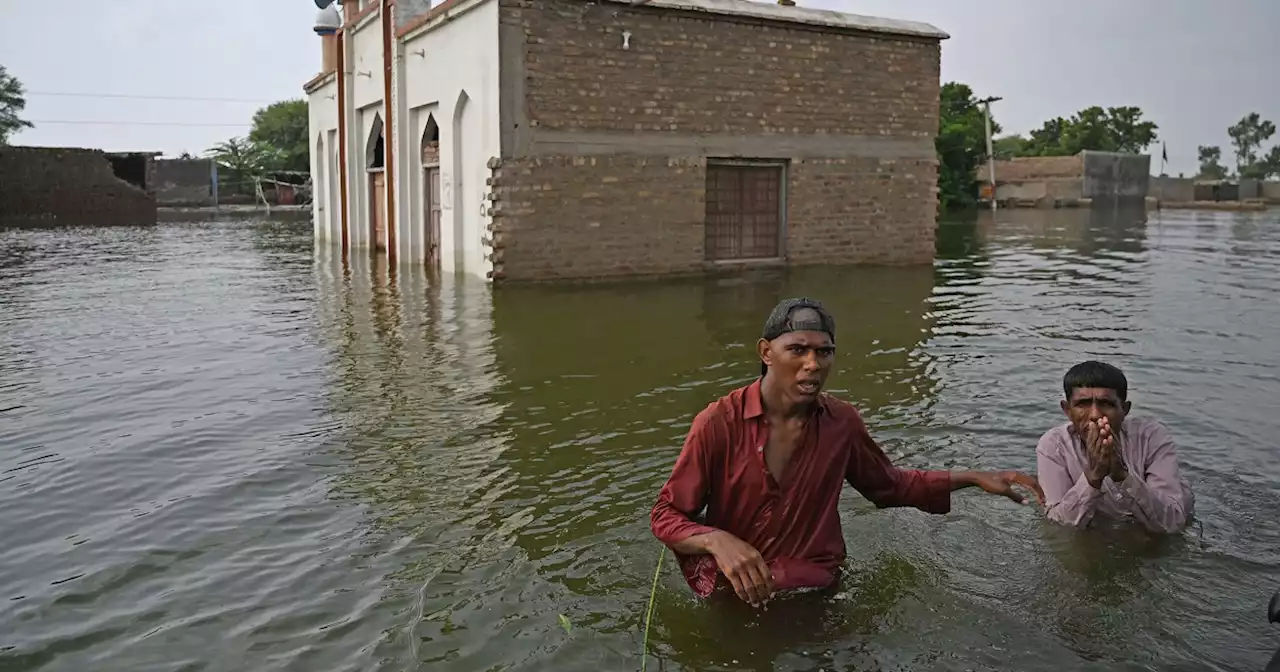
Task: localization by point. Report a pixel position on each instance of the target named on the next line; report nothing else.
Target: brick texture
(861, 211)
(686, 73)
(1022, 169)
(592, 217)
(56, 186)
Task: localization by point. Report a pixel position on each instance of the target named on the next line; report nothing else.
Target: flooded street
(223, 450)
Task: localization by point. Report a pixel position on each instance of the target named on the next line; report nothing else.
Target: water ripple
(212, 431)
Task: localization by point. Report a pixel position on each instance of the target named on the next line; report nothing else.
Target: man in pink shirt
(1104, 463)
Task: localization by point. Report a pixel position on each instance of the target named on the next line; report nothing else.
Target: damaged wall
(53, 186)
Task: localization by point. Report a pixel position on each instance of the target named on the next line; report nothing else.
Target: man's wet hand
(1002, 482)
(743, 565)
(1098, 446)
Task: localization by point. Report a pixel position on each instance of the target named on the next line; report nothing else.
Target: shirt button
(760, 449)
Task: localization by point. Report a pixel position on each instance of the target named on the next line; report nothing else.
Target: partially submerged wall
(185, 182)
(1112, 175)
(598, 179)
(1172, 189)
(1037, 178)
(51, 186)
(1270, 191)
(1029, 168)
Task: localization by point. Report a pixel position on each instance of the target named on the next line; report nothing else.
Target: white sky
(1194, 66)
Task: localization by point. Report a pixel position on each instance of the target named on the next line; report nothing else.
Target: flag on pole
(1164, 153)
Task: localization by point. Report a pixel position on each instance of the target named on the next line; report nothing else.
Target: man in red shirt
(753, 496)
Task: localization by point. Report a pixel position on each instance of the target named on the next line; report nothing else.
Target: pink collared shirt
(1154, 493)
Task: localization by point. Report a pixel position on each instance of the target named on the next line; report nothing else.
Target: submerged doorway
(431, 192)
(376, 153)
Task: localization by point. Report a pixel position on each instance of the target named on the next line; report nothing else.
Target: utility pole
(991, 154)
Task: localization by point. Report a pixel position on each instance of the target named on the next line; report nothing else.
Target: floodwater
(223, 450)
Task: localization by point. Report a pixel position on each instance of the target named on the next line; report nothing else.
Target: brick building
(535, 139)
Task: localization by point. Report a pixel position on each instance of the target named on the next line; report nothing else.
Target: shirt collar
(753, 405)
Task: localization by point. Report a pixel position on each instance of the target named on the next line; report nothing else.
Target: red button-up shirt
(795, 524)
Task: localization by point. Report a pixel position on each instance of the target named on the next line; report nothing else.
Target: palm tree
(12, 101)
(244, 160)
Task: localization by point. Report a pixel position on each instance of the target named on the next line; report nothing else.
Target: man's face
(1090, 403)
(800, 361)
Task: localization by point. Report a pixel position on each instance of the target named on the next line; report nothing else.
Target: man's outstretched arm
(871, 473)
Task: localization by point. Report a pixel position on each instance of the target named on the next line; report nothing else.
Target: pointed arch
(375, 147)
(457, 189)
(431, 201)
(320, 189)
(431, 142)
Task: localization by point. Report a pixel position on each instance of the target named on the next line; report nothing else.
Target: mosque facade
(545, 139)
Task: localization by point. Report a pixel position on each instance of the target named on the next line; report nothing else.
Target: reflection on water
(216, 431)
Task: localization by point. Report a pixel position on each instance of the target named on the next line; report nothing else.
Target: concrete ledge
(655, 143)
(1041, 203)
(1229, 206)
(805, 15)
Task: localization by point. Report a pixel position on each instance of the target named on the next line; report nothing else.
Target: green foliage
(1211, 167)
(1248, 135)
(12, 102)
(283, 127)
(1009, 146)
(961, 145)
(1115, 129)
(243, 161)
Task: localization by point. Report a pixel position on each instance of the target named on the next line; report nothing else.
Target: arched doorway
(461, 243)
(431, 190)
(375, 157)
(320, 191)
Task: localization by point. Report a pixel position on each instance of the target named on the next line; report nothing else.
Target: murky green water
(220, 450)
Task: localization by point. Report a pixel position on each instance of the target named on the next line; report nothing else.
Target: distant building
(534, 139)
(1087, 177)
(66, 186)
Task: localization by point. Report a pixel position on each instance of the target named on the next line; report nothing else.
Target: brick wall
(853, 210)
(586, 217)
(56, 186)
(1023, 169)
(688, 72)
(604, 155)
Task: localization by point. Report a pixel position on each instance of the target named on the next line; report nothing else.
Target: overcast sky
(1194, 66)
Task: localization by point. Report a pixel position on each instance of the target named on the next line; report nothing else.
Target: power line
(131, 96)
(135, 123)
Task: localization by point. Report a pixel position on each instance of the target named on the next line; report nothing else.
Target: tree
(13, 100)
(1047, 141)
(244, 160)
(1270, 164)
(284, 126)
(1010, 146)
(1248, 135)
(1130, 133)
(1210, 163)
(1115, 129)
(961, 145)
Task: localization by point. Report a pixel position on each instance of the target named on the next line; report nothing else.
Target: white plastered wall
(449, 70)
